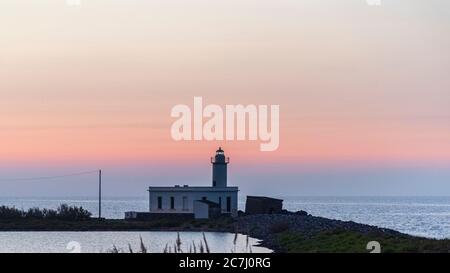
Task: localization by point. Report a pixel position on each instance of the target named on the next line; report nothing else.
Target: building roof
(265, 198)
(209, 203)
(191, 189)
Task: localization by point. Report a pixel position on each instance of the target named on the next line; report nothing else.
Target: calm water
(92, 242)
(424, 216)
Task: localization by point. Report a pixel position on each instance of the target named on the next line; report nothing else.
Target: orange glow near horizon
(313, 142)
(96, 84)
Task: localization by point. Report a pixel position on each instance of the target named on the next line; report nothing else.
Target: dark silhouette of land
(283, 232)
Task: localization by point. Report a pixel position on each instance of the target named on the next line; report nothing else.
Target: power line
(68, 175)
(48, 177)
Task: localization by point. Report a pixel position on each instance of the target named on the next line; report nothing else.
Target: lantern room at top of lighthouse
(220, 158)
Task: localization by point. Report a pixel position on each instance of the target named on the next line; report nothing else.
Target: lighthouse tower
(219, 172)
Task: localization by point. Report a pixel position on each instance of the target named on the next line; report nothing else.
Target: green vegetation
(354, 242)
(64, 212)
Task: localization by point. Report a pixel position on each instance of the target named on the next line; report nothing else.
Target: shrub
(34, 213)
(64, 212)
(10, 213)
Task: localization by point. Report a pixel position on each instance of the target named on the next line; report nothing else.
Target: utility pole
(149, 201)
(99, 194)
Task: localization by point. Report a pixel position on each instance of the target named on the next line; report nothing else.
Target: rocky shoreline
(286, 232)
(301, 232)
(265, 227)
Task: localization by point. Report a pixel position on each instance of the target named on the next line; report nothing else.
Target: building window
(228, 204)
(185, 203)
(220, 203)
(204, 198)
(159, 202)
(214, 183)
(172, 202)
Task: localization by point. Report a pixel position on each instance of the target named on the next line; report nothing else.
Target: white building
(182, 199)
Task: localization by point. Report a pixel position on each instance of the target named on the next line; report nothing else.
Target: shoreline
(288, 232)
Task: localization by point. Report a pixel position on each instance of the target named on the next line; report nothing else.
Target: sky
(364, 94)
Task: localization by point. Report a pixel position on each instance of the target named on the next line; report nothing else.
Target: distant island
(291, 232)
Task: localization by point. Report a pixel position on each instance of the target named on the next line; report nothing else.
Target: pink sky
(95, 84)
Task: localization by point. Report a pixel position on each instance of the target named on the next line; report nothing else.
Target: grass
(354, 242)
(201, 247)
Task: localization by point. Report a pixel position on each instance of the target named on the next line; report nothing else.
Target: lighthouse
(219, 169)
(199, 202)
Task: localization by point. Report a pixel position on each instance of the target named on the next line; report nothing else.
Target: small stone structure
(263, 205)
(204, 209)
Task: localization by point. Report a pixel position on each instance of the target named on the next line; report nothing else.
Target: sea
(426, 216)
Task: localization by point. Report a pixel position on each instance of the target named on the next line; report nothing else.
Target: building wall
(263, 206)
(201, 210)
(148, 216)
(191, 196)
(219, 175)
